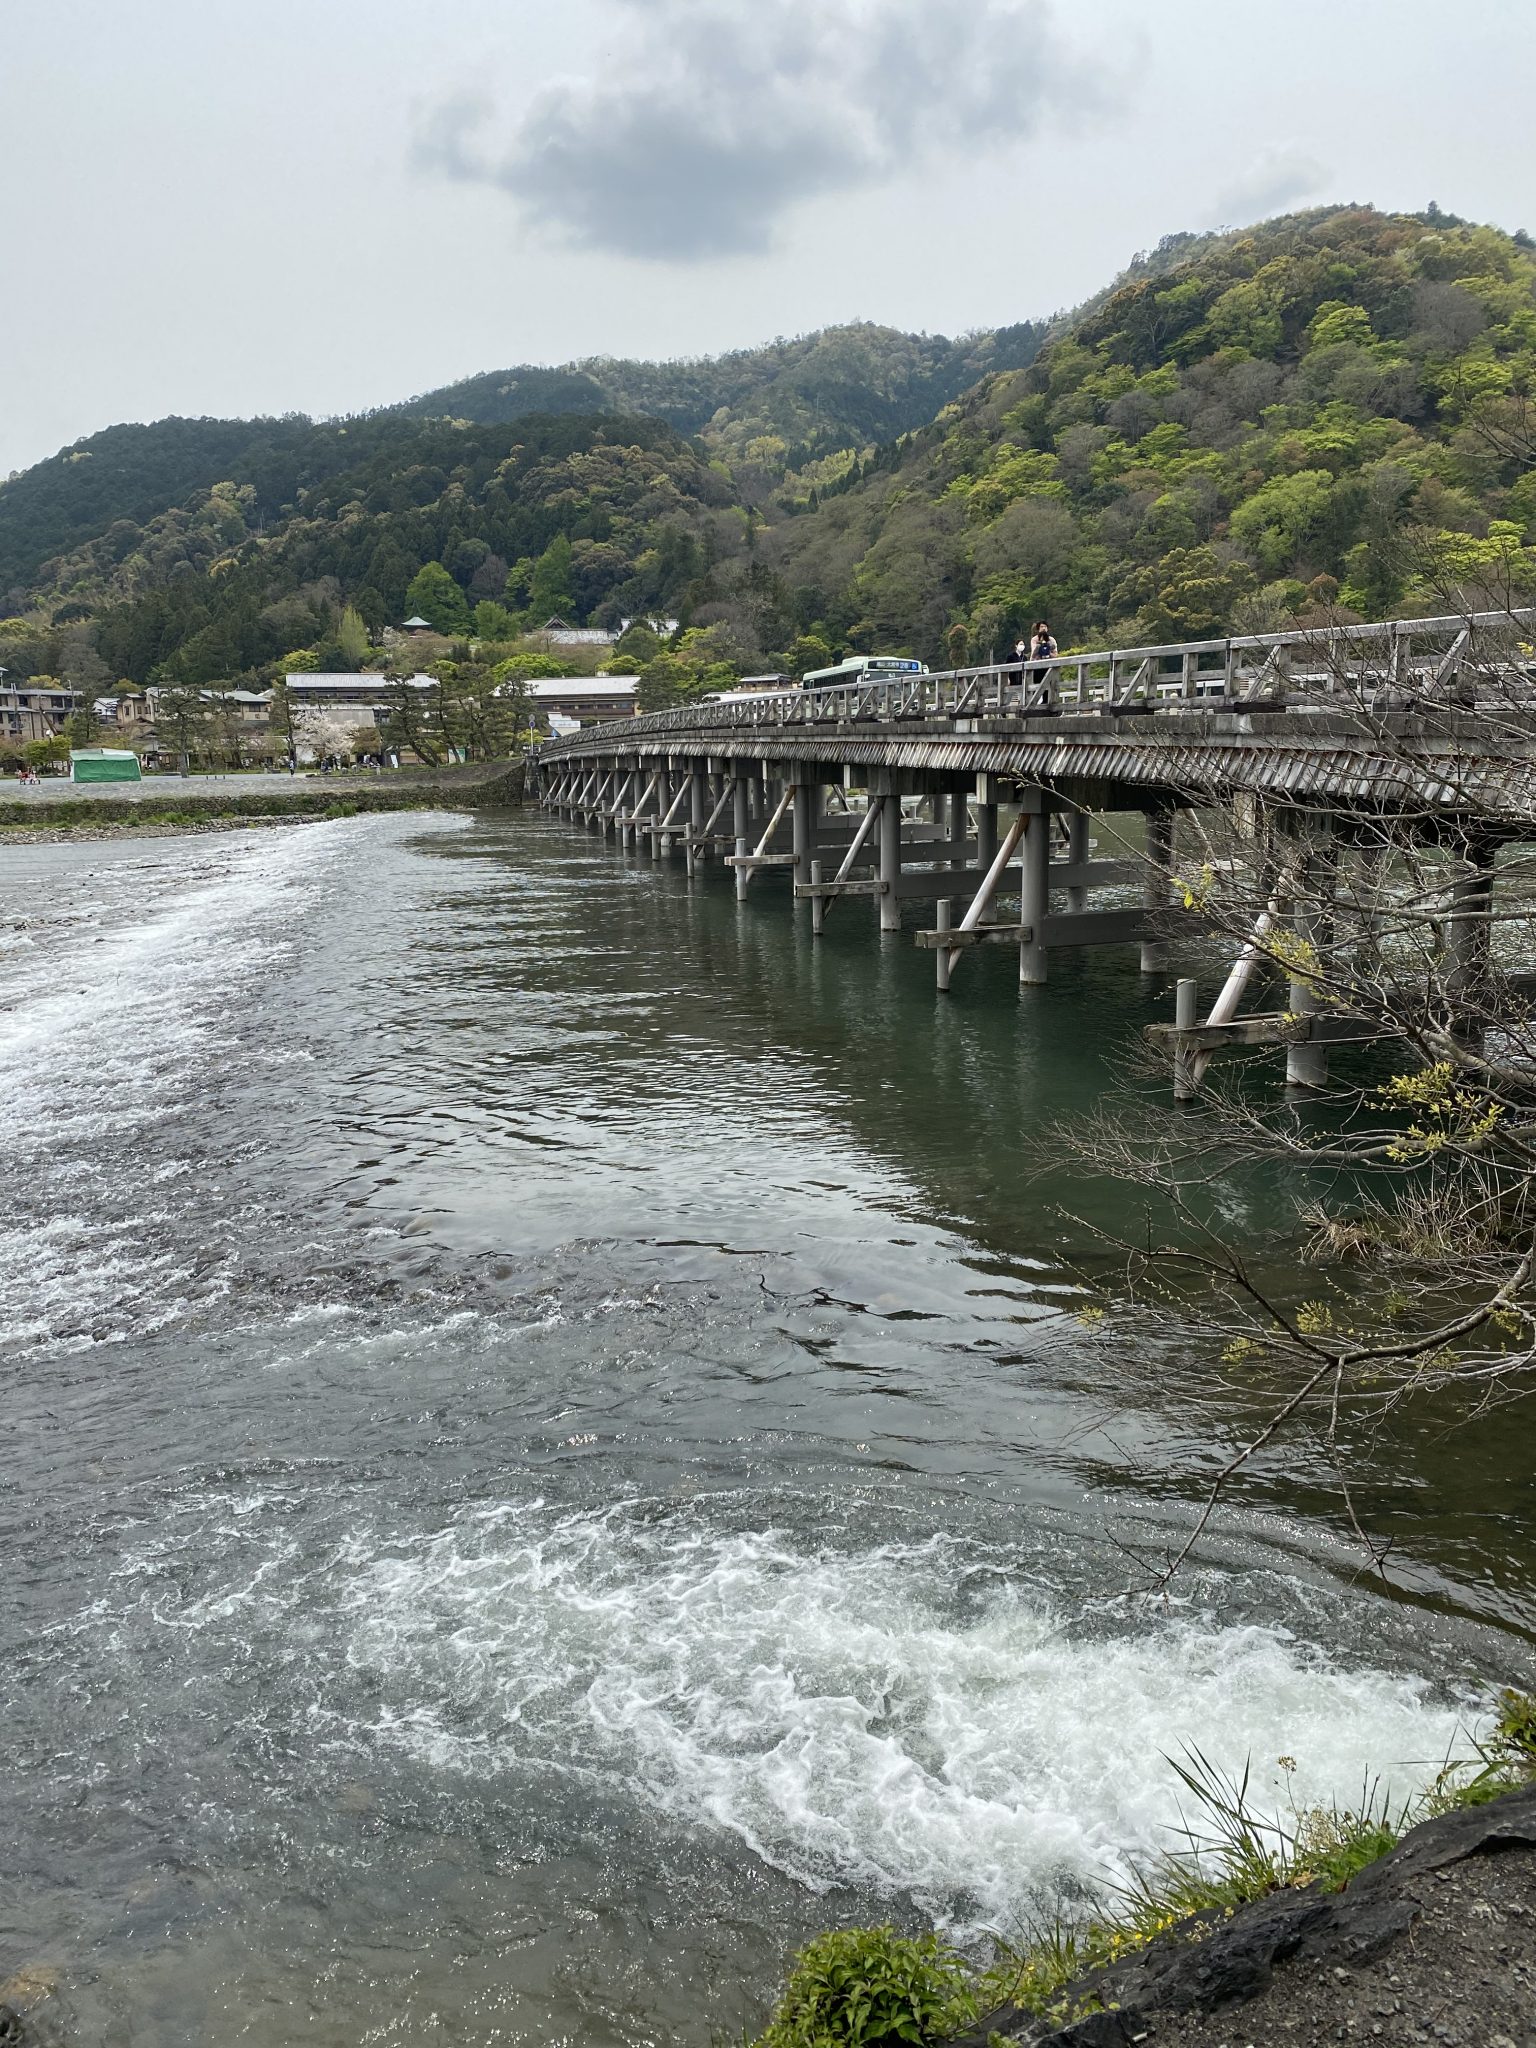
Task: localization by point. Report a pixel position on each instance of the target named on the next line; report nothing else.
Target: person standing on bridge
(1043, 647)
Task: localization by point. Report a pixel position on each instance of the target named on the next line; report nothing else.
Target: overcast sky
(321, 205)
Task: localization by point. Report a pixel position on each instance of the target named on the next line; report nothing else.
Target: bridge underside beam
(1127, 927)
(1277, 1027)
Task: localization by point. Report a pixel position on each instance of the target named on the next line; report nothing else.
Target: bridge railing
(1457, 656)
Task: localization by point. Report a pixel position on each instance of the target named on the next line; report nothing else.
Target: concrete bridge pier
(986, 820)
(698, 811)
(1314, 870)
(624, 804)
(805, 810)
(661, 842)
(957, 827)
(741, 826)
(1469, 936)
(1077, 855)
(1159, 820)
(1034, 894)
(889, 829)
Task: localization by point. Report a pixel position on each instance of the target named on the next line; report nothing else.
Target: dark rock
(1212, 1962)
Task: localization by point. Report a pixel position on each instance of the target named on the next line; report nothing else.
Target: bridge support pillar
(1077, 854)
(661, 842)
(741, 827)
(1154, 952)
(1316, 870)
(986, 821)
(957, 829)
(698, 811)
(806, 827)
(624, 804)
(890, 859)
(1468, 940)
(943, 918)
(1035, 894)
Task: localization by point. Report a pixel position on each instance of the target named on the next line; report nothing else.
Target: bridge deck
(1429, 723)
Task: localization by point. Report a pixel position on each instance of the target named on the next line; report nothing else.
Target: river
(549, 1455)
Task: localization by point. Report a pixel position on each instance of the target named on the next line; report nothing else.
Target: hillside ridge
(1323, 417)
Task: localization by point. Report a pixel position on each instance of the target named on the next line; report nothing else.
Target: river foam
(907, 1718)
(122, 1022)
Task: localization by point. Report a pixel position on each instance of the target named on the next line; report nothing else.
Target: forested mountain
(1328, 412)
(573, 514)
(769, 409)
(838, 388)
(1325, 414)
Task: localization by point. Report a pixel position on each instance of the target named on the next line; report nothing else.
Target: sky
(223, 208)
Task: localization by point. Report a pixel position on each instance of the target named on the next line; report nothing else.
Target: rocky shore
(1435, 1943)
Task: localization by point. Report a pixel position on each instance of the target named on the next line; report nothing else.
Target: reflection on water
(547, 1460)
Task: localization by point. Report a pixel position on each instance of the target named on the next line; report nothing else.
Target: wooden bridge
(964, 788)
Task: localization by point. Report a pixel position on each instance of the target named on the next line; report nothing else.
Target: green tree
(695, 668)
(413, 721)
(1282, 518)
(434, 596)
(282, 725)
(664, 681)
(530, 668)
(1188, 595)
(484, 710)
(182, 723)
(49, 753)
(808, 651)
(494, 622)
(352, 639)
(549, 588)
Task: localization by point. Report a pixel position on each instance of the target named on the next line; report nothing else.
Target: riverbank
(221, 804)
(1435, 1942)
(63, 835)
(1401, 1923)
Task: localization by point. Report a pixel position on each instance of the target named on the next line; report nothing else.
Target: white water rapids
(533, 1485)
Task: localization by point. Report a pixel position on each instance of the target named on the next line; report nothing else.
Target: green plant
(1333, 1844)
(869, 1987)
(1514, 1729)
(1505, 1758)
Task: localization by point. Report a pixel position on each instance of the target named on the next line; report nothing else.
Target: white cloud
(711, 121)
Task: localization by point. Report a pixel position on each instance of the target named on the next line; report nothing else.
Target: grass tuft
(874, 1988)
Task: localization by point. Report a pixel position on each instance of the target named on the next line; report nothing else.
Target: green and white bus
(864, 668)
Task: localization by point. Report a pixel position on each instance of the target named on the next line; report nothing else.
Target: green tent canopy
(103, 764)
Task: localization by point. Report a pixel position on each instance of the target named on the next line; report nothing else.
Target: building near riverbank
(584, 698)
(368, 688)
(30, 710)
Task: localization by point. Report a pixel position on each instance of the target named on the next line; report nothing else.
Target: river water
(549, 1455)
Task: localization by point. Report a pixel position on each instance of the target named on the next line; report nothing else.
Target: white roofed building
(584, 698)
(366, 687)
